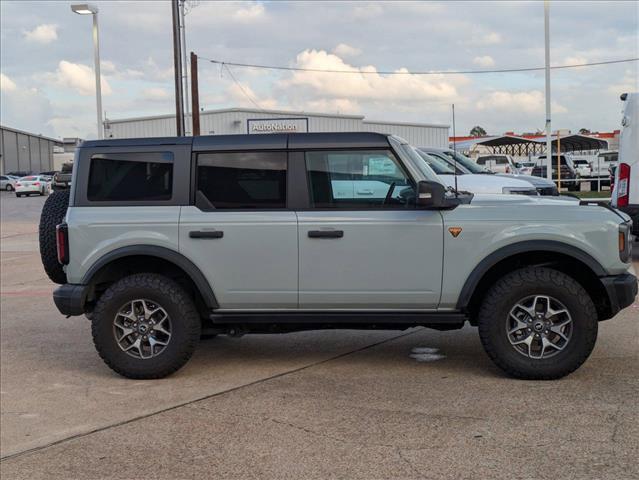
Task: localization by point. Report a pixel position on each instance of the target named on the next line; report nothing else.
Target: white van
(625, 195)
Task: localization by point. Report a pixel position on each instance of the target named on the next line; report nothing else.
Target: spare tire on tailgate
(53, 213)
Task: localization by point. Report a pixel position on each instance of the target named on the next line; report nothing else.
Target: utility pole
(177, 69)
(185, 66)
(195, 96)
(548, 126)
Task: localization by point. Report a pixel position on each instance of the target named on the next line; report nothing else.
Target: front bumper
(70, 298)
(621, 289)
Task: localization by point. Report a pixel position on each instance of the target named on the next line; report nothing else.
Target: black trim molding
(175, 258)
(522, 247)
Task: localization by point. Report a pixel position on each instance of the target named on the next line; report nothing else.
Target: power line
(439, 72)
(241, 87)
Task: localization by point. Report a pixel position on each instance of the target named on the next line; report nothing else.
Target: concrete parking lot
(342, 404)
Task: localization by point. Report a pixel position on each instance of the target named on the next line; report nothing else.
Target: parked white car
(32, 185)
(476, 183)
(8, 183)
(498, 163)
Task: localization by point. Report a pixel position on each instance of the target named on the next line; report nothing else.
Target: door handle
(325, 233)
(206, 234)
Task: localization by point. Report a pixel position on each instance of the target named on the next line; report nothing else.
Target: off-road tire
(185, 325)
(510, 289)
(53, 212)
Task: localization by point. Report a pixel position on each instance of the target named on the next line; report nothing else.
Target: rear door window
(241, 180)
(130, 177)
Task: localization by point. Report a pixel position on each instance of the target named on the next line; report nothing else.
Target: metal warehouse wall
(417, 135)
(234, 121)
(22, 151)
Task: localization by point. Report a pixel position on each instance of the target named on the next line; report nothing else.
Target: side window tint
(130, 177)
(481, 161)
(241, 180)
(357, 179)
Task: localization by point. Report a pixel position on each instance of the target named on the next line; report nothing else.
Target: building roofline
(407, 124)
(242, 110)
(23, 132)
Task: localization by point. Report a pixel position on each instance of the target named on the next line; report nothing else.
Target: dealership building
(254, 121)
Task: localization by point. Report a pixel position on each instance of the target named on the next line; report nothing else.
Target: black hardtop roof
(273, 141)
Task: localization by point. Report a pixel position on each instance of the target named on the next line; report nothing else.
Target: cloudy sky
(47, 84)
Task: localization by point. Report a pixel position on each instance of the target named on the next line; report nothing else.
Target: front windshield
(437, 164)
(466, 162)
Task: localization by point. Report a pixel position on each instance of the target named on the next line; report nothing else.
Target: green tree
(584, 131)
(477, 131)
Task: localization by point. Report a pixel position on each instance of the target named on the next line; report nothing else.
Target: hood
(536, 181)
(485, 199)
(485, 183)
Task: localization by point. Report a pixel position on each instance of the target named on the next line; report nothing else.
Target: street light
(88, 9)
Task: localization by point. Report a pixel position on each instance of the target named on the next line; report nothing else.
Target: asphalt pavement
(338, 404)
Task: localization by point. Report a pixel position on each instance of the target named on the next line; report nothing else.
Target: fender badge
(455, 231)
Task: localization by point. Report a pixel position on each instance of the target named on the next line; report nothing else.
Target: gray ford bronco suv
(162, 240)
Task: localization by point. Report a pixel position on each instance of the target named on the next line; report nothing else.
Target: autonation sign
(277, 125)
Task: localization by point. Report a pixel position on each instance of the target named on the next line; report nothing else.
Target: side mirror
(430, 194)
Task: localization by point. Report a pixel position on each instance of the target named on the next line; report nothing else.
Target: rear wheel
(538, 323)
(9, 187)
(145, 326)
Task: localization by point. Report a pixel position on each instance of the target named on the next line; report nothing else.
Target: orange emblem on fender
(455, 231)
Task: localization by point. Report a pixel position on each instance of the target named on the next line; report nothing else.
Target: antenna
(454, 152)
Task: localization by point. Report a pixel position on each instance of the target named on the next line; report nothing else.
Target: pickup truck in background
(62, 179)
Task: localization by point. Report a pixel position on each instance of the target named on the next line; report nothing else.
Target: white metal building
(25, 152)
(244, 120)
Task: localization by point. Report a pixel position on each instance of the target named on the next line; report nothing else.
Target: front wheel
(9, 187)
(538, 324)
(145, 326)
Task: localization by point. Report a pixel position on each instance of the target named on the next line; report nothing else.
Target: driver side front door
(362, 245)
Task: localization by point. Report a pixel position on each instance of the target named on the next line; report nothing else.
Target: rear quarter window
(241, 180)
(125, 177)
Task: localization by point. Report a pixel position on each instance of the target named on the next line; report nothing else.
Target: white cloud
(344, 50)
(368, 10)
(43, 34)
(80, 78)
(6, 84)
(485, 61)
(492, 38)
(242, 96)
(482, 38)
(532, 102)
(250, 14)
(625, 84)
(370, 86)
(155, 93)
(574, 60)
(107, 66)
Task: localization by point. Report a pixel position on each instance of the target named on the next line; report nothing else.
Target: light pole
(88, 9)
(547, 59)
